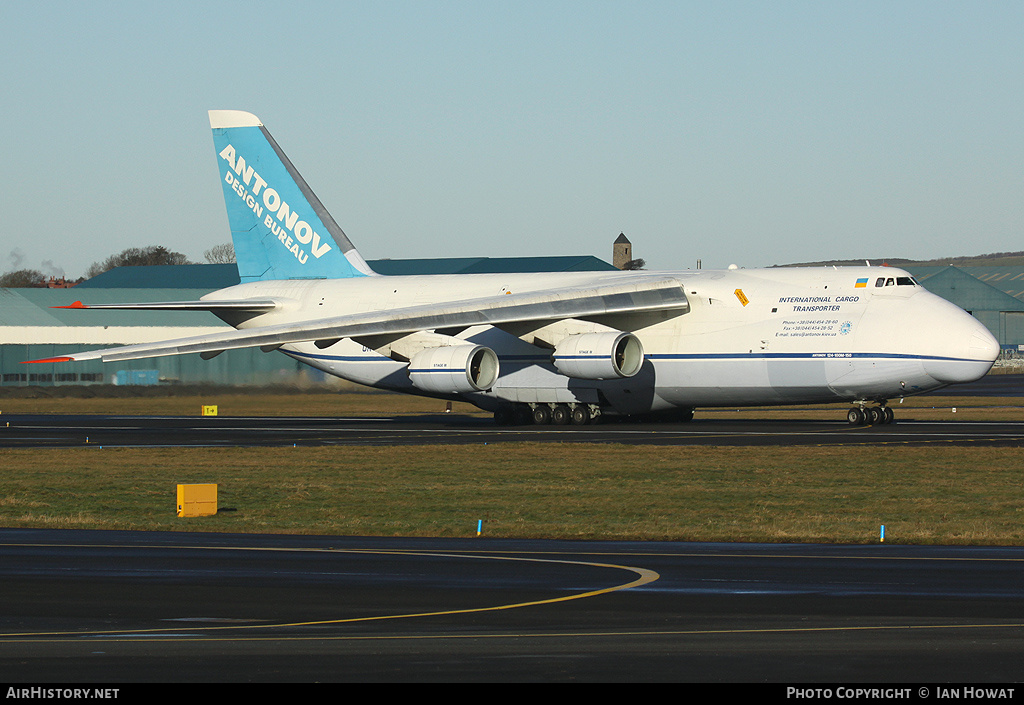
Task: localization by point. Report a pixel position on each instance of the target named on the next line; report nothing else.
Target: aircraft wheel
(888, 415)
(542, 415)
(523, 415)
(581, 415)
(685, 414)
(855, 417)
(873, 416)
(504, 416)
(560, 414)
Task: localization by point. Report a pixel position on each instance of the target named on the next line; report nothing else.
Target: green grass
(937, 494)
(233, 403)
(327, 404)
(922, 495)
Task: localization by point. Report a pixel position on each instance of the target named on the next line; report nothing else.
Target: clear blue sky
(754, 133)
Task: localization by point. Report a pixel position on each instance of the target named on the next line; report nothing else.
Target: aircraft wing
(636, 296)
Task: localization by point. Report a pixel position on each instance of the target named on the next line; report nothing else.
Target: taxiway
(60, 431)
(231, 608)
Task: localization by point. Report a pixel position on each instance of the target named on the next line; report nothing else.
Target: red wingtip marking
(77, 304)
(49, 359)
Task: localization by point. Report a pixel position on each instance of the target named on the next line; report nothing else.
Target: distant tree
(635, 264)
(220, 254)
(22, 278)
(137, 257)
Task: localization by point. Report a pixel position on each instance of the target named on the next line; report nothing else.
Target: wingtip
(77, 304)
(48, 359)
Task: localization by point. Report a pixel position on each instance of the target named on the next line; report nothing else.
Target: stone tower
(622, 251)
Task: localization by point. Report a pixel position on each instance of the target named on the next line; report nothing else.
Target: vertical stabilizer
(279, 228)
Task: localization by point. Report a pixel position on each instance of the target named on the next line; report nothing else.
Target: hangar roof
(1007, 279)
(187, 282)
(218, 276)
(993, 290)
(966, 289)
(34, 307)
(176, 276)
(490, 265)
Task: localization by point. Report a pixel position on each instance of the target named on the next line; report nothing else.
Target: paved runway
(996, 385)
(712, 429)
(121, 607)
(709, 427)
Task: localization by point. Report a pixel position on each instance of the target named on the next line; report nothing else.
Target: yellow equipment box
(197, 500)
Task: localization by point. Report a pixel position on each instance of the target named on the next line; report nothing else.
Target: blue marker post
(479, 526)
(883, 534)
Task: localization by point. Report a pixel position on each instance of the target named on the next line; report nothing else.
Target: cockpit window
(898, 281)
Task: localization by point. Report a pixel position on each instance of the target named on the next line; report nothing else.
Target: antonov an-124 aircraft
(562, 347)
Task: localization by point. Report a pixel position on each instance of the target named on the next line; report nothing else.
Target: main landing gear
(870, 415)
(544, 414)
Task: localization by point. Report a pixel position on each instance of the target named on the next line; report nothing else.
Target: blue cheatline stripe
(676, 356)
(804, 356)
(439, 369)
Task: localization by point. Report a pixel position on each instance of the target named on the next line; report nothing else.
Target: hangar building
(31, 328)
(993, 295)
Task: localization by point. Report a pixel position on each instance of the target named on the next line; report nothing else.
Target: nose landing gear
(870, 415)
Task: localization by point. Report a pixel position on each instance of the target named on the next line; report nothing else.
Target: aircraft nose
(983, 345)
(971, 351)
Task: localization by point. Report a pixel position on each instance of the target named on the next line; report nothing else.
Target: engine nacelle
(454, 368)
(599, 355)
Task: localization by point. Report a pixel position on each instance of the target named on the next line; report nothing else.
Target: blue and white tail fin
(279, 228)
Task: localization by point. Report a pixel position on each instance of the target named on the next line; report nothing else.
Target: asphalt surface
(136, 608)
(987, 386)
(57, 431)
(123, 607)
(709, 427)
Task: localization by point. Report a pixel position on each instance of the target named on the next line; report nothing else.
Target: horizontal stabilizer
(259, 305)
(633, 296)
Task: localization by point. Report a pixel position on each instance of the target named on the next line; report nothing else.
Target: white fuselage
(750, 337)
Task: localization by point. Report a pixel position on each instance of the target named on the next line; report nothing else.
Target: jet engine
(454, 368)
(599, 355)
